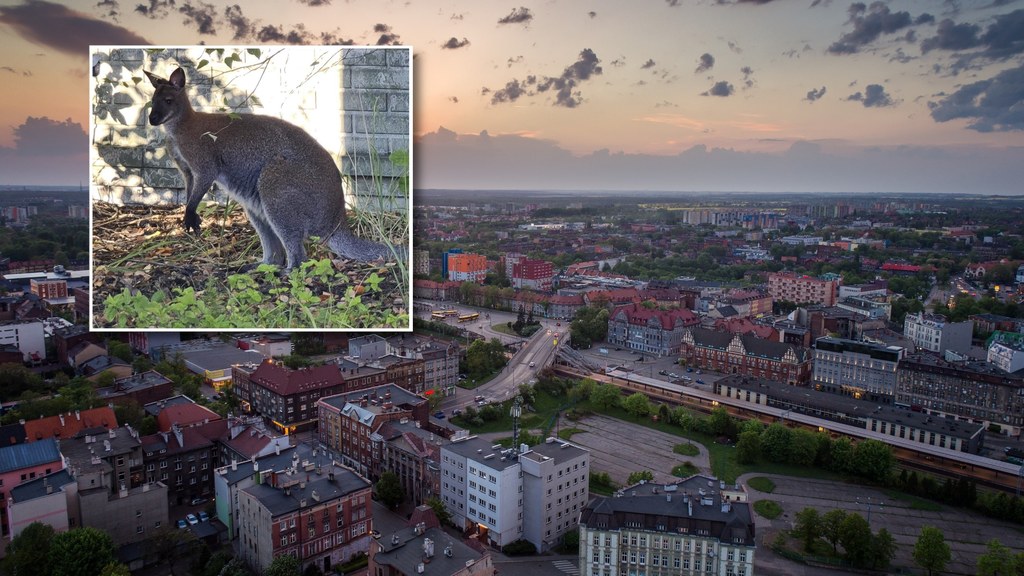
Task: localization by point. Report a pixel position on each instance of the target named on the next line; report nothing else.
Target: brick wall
(354, 101)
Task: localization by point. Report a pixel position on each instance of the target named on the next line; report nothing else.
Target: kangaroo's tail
(345, 244)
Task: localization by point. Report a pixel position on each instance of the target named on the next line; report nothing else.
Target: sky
(673, 95)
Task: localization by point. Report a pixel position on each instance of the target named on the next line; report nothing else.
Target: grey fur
(287, 183)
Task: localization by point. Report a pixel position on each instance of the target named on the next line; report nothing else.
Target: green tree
(931, 551)
(589, 326)
(638, 405)
(831, 527)
(855, 536)
(283, 565)
(775, 442)
(883, 550)
(81, 552)
(874, 460)
(121, 350)
(115, 569)
(389, 489)
(748, 448)
(841, 454)
(807, 526)
(443, 516)
(636, 477)
(606, 395)
(28, 553)
(720, 423)
(803, 447)
(998, 560)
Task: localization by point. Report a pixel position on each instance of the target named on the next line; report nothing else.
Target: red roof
(639, 315)
(893, 267)
(284, 381)
(70, 424)
(184, 415)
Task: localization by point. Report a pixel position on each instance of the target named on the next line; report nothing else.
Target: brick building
(649, 330)
(746, 354)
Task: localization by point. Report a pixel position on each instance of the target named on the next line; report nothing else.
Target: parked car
(191, 519)
(689, 369)
(456, 412)
(182, 524)
(203, 516)
(478, 398)
(199, 500)
(699, 381)
(532, 364)
(663, 372)
(439, 414)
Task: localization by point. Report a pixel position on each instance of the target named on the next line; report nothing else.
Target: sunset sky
(688, 95)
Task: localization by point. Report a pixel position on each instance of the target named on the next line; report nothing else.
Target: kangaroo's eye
(168, 100)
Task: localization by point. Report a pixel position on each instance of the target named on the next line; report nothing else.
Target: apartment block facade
(649, 330)
(859, 369)
(802, 289)
(934, 333)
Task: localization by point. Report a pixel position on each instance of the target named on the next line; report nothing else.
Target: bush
(686, 450)
(519, 548)
(769, 509)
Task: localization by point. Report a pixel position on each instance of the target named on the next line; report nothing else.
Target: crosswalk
(567, 567)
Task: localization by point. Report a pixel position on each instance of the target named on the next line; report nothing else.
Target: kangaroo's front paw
(191, 222)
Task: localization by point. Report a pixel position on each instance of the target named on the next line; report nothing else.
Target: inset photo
(242, 188)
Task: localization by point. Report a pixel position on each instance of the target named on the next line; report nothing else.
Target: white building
(860, 369)
(934, 333)
(27, 336)
(1007, 355)
(698, 526)
(534, 494)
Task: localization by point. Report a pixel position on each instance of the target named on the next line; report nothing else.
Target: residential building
(467, 267)
(142, 388)
(48, 289)
(320, 514)
(27, 336)
(1006, 352)
(934, 333)
(745, 354)
(423, 548)
(288, 397)
(113, 493)
(413, 453)
(349, 423)
(440, 360)
(974, 391)
(697, 526)
(859, 369)
(50, 499)
(649, 330)
(802, 289)
(183, 458)
(71, 424)
(21, 463)
(532, 274)
(421, 262)
(502, 495)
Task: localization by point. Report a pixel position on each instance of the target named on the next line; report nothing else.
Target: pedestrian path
(567, 566)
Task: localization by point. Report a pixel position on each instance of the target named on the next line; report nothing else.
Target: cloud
(45, 137)
(46, 151)
(648, 64)
(10, 70)
(453, 99)
(58, 27)
(952, 36)
(243, 27)
(815, 94)
(454, 43)
(992, 105)
(202, 15)
(704, 63)
(387, 36)
(871, 22)
(592, 14)
(874, 96)
(515, 60)
(519, 15)
(110, 8)
(565, 86)
(155, 8)
(315, 2)
(721, 88)
(748, 76)
(672, 3)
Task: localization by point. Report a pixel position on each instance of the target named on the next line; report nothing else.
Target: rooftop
(482, 452)
(21, 456)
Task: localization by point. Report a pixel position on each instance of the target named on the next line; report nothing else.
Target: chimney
(234, 464)
(78, 415)
(61, 416)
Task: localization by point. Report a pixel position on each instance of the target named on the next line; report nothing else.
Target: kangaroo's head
(169, 100)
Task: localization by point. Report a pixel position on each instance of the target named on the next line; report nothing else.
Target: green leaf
(136, 80)
(254, 51)
(202, 63)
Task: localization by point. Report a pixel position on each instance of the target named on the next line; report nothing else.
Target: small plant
(762, 484)
(685, 470)
(769, 509)
(686, 450)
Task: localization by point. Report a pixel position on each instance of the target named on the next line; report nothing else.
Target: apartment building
(649, 330)
(863, 370)
(22, 463)
(698, 526)
(934, 333)
(802, 289)
(467, 267)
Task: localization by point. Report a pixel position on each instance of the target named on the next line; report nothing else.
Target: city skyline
(748, 96)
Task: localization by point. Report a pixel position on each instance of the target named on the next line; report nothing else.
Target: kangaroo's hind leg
(288, 205)
(273, 251)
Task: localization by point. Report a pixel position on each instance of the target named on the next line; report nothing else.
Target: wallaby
(287, 183)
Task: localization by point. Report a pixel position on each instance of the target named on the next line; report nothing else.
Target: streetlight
(880, 505)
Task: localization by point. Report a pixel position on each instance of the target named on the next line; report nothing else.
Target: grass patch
(685, 470)
(566, 433)
(686, 450)
(769, 509)
(504, 329)
(541, 417)
(915, 503)
(762, 484)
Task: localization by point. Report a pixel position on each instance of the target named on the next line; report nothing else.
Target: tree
(831, 527)
(283, 565)
(931, 551)
(28, 552)
(721, 423)
(841, 455)
(998, 560)
(81, 552)
(443, 516)
(115, 569)
(748, 448)
(874, 459)
(803, 447)
(637, 405)
(389, 489)
(883, 550)
(775, 442)
(636, 477)
(807, 526)
(605, 395)
(855, 536)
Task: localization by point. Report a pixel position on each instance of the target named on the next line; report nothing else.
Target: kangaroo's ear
(178, 78)
(155, 80)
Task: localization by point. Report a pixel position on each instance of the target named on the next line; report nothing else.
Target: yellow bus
(437, 316)
(468, 317)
